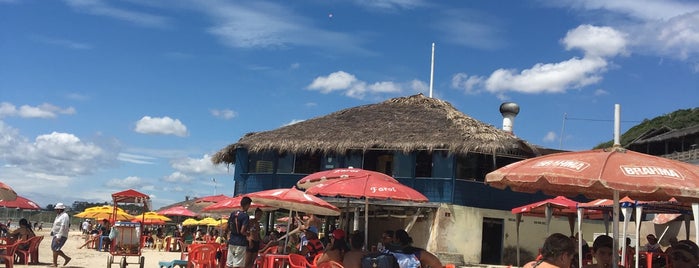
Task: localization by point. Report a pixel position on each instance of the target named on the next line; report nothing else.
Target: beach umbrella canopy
(7, 193)
(367, 187)
(20, 203)
(232, 203)
(209, 221)
(190, 222)
(177, 211)
(151, 216)
(294, 200)
(599, 174)
(105, 212)
(339, 173)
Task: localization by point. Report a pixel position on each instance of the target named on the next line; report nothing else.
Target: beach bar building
(424, 143)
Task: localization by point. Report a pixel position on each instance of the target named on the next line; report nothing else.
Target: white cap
(59, 206)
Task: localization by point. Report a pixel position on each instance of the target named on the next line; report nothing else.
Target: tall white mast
(432, 71)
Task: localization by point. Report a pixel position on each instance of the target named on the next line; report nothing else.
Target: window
(403, 165)
(423, 164)
(381, 161)
(442, 164)
(473, 166)
(307, 163)
(262, 162)
(354, 158)
(285, 163)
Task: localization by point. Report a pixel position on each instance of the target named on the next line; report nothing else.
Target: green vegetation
(676, 120)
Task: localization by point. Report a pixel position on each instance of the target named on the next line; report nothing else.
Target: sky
(101, 96)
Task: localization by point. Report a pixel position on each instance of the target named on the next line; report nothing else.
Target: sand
(90, 257)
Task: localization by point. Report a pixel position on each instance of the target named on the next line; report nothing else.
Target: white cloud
(177, 177)
(257, 24)
(550, 136)
(601, 92)
(105, 8)
(352, 87)
(200, 166)
(224, 113)
(128, 182)
(55, 155)
(666, 28)
(596, 41)
(44, 110)
(63, 43)
(391, 4)
(135, 159)
(161, 125)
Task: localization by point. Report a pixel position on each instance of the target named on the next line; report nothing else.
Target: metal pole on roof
(432, 70)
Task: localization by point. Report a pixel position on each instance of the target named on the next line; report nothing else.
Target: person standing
(237, 228)
(59, 231)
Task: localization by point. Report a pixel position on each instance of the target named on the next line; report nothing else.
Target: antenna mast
(432, 71)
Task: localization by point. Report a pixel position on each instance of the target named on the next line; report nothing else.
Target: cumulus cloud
(136, 159)
(128, 182)
(200, 166)
(597, 43)
(54, 154)
(350, 86)
(177, 177)
(44, 110)
(161, 125)
(108, 9)
(224, 113)
(550, 136)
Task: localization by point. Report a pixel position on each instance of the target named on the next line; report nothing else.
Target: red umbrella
(177, 211)
(20, 203)
(294, 200)
(367, 187)
(597, 173)
(339, 173)
(7, 193)
(230, 204)
(211, 199)
(601, 173)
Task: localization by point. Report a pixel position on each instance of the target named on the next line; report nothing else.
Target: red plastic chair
(314, 264)
(9, 255)
(31, 244)
(298, 261)
(202, 256)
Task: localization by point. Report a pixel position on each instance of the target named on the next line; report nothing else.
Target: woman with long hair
(558, 252)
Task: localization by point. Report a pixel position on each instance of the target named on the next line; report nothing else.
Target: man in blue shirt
(238, 231)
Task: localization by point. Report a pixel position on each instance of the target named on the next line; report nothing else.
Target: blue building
(423, 142)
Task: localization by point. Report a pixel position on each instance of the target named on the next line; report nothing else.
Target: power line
(599, 120)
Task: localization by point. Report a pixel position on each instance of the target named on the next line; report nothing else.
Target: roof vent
(508, 110)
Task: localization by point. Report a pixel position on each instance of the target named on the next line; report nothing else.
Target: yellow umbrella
(221, 222)
(208, 221)
(104, 212)
(152, 216)
(190, 222)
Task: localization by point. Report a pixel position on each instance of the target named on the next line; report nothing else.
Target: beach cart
(126, 243)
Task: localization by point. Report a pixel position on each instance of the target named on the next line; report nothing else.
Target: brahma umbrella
(230, 204)
(294, 200)
(177, 211)
(20, 203)
(601, 173)
(339, 173)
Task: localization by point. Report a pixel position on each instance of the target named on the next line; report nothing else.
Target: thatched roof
(405, 124)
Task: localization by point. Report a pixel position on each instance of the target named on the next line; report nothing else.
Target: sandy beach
(91, 258)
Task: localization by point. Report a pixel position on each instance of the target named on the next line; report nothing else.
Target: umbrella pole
(695, 212)
(366, 224)
(639, 210)
(518, 217)
(615, 229)
(580, 237)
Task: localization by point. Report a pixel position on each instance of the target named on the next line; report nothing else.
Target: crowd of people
(559, 251)
(245, 243)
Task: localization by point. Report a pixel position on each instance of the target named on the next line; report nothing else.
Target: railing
(685, 156)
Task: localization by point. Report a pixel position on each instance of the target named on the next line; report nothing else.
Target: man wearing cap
(59, 232)
(313, 245)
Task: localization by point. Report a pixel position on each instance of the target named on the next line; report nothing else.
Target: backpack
(379, 260)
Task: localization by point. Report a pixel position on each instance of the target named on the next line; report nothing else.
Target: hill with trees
(676, 120)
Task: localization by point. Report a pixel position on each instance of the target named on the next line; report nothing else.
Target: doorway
(491, 242)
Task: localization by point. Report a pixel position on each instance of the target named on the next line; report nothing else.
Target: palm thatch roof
(405, 124)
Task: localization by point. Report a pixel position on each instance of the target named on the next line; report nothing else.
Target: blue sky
(101, 96)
